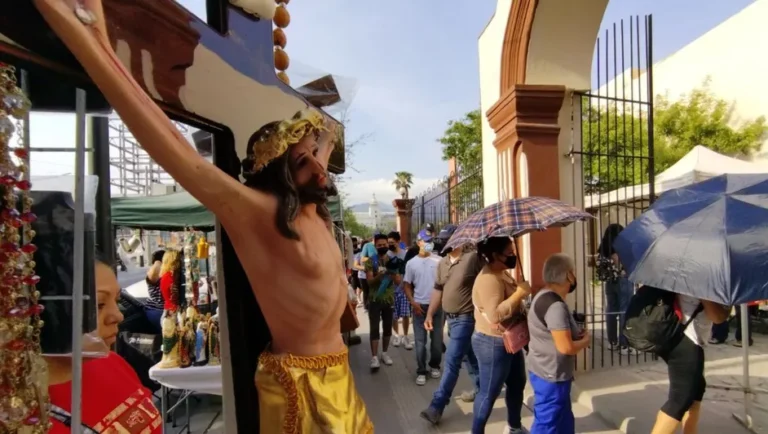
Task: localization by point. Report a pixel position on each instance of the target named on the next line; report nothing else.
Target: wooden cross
(217, 76)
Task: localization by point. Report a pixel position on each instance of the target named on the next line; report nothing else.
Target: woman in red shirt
(113, 398)
(169, 273)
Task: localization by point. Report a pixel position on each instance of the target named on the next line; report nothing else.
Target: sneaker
(468, 396)
(431, 415)
(434, 373)
(421, 380)
(739, 344)
(408, 343)
(520, 430)
(375, 363)
(715, 342)
(395, 341)
(386, 359)
(626, 351)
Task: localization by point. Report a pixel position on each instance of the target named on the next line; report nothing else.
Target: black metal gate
(451, 200)
(613, 162)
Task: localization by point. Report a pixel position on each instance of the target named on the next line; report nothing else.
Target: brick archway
(547, 48)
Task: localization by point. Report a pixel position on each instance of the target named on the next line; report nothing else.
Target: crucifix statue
(268, 187)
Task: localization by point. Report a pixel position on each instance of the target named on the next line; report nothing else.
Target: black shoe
(431, 415)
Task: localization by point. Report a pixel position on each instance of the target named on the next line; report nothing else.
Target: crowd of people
(472, 292)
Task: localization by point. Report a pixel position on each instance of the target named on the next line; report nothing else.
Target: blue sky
(415, 64)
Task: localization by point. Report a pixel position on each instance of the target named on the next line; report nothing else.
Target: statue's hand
(327, 141)
(76, 21)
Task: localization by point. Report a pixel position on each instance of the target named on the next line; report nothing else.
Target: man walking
(419, 282)
(456, 276)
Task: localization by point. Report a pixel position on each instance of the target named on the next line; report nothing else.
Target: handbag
(515, 333)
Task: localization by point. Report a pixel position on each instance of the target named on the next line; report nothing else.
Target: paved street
(394, 400)
(624, 396)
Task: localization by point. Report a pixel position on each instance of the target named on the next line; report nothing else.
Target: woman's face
(508, 251)
(107, 295)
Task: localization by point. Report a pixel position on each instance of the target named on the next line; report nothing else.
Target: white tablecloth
(201, 379)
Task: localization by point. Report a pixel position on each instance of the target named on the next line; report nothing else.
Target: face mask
(393, 248)
(573, 286)
(428, 247)
(510, 262)
(382, 250)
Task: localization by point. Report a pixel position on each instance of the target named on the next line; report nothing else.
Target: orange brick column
(525, 120)
(404, 208)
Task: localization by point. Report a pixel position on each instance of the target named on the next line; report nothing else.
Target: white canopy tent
(698, 165)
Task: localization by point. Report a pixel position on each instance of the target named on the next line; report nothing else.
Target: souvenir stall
(190, 332)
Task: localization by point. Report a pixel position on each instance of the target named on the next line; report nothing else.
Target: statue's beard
(313, 193)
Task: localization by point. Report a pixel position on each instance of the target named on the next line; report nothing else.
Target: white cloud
(362, 190)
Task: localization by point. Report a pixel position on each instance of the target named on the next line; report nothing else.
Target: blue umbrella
(708, 240)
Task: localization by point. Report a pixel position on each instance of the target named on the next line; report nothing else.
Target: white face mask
(428, 247)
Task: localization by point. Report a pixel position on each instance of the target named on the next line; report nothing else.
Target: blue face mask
(428, 247)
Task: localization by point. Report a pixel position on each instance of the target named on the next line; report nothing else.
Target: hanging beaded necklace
(24, 402)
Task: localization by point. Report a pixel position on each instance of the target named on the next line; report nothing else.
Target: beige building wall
(730, 55)
(489, 48)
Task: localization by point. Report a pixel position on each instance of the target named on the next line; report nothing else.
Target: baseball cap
(425, 235)
(446, 232)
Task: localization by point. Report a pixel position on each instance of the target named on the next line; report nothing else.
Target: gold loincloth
(309, 395)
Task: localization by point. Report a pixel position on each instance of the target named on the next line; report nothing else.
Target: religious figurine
(187, 344)
(170, 341)
(191, 268)
(288, 261)
(214, 349)
(201, 342)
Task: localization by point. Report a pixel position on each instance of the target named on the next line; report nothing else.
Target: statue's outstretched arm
(81, 26)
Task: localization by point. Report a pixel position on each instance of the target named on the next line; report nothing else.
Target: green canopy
(176, 211)
(170, 212)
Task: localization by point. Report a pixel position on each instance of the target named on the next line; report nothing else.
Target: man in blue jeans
(419, 283)
(456, 276)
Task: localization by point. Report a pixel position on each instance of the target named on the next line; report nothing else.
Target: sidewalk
(629, 397)
(394, 400)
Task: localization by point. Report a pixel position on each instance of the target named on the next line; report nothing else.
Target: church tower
(373, 212)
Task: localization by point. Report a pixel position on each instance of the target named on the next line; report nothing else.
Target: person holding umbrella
(496, 298)
(685, 365)
(705, 248)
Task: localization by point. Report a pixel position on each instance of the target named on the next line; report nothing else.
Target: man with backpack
(676, 327)
(555, 340)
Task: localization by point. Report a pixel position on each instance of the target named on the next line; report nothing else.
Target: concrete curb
(610, 418)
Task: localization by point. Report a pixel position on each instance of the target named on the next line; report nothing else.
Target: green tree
(613, 140)
(463, 140)
(700, 118)
(403, 183)
(355, 227)
(615, 137)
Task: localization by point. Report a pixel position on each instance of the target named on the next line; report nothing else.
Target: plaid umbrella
(515, 217)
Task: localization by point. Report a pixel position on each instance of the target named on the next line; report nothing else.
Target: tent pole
(746, 418)
(77, 280)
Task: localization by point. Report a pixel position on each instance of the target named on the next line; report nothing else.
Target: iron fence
(613, 161)
(450, 201)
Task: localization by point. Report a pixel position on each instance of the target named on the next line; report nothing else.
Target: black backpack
(651, 323)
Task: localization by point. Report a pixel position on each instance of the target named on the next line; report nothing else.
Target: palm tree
(403, 182)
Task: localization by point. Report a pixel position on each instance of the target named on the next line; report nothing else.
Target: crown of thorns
(275, 140)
